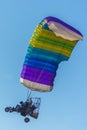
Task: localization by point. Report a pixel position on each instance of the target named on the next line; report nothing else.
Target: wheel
(26, 119)
(7, 109)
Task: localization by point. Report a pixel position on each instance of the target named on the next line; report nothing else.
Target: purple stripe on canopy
(63, 23)
(37, 75)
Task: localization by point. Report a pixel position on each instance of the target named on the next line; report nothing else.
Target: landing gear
(9, 109)
(26, 119)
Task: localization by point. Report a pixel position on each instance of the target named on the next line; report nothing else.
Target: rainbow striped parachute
(52, 42)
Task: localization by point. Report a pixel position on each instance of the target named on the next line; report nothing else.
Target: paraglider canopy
(51, 43)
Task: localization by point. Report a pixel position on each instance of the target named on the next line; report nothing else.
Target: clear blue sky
(65, 108)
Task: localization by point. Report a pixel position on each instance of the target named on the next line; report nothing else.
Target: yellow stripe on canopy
(50, 47)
